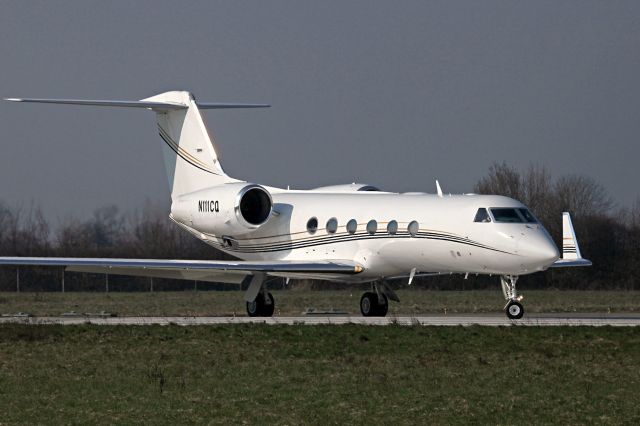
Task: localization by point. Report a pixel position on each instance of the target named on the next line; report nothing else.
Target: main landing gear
(513, 308)
(375, 303)
(260, 303)
(262, 306)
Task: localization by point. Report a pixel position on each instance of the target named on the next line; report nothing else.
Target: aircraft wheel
(254, 309)
(514, 310)
(263, 306)
(269, 305)
(383, 308)
(368, 304)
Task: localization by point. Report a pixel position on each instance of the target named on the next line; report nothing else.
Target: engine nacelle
(231, 209)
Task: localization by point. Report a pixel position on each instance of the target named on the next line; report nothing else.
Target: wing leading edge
(202, 270)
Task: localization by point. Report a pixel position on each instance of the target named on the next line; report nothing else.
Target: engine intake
(253, 205)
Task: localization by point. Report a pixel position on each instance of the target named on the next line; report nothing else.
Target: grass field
(257, 374)
(293, 302)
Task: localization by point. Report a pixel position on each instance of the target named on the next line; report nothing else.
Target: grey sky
(394, 94)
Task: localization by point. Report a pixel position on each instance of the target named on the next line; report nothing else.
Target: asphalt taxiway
(495, 320)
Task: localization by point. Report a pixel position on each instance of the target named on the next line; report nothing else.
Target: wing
(202, 270)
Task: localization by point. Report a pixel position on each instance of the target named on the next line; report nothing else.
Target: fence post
(106, 283)
(63, 280)
(17, 279)
(151, 286)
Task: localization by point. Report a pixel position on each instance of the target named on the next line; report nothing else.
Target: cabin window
(505, 215)
(332, 225)
(482, 216)
(312, 225)
(352, 226)
(413, 228)
(372, 227)
(528, 217)
(392, 227)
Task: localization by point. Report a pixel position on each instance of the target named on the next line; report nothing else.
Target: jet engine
(230, 209)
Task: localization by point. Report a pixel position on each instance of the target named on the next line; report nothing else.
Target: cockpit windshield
(509, 215)
(482, 216)
(528, 217)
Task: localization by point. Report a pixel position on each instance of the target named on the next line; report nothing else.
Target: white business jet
(353, 233)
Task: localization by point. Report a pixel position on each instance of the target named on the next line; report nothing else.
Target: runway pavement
(577, 319)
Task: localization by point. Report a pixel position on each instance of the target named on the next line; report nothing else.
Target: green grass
(293, 302)
(257, 374)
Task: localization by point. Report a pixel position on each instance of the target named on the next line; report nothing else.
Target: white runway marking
(592, 320)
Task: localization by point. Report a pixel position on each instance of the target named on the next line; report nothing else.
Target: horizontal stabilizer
(97, 102)
(157, 106)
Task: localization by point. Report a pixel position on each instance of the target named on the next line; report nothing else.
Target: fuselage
(389, 234)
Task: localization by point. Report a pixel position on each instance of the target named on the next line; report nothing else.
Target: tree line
(109, 232)
(607, 235)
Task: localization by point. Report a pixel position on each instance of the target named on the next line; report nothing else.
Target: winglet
(570, 248)
(438, 188)
(571, 255)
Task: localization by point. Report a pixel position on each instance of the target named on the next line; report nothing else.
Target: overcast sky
(394, 94)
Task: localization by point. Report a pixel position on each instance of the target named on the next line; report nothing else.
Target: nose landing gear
(513, 308)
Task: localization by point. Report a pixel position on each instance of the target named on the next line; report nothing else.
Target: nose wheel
(513, 309)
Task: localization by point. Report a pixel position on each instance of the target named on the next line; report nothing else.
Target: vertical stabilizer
(189, 152)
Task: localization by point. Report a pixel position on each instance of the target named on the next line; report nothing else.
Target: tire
(269, 305)
(382, 309)
(514, 310)
(255, 308)
(368, 304)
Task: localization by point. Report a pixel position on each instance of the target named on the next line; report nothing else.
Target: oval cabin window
(352, 226)
(372, 227)
(332, 225)
(392, 227)
(312, 225)
(413, 228)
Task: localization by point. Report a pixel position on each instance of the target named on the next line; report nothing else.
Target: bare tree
(582, 196)
(501, 180)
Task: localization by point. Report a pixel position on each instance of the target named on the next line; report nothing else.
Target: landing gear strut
(513, 308)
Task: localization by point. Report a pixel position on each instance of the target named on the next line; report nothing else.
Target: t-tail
(190, 154)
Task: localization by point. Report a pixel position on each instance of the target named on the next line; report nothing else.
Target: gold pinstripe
(186, 155)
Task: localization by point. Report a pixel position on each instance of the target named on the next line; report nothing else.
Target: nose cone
(539, 249)
(548, 252)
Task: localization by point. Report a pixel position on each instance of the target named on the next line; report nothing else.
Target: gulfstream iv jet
(353, 233)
